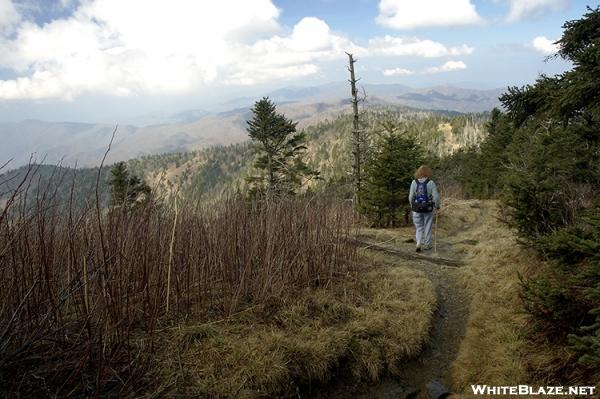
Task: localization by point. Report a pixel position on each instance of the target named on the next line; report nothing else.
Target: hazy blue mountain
(451, 98)
(448, 98)
(195, 129)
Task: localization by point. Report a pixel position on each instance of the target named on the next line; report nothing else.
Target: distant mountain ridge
(84, 144)
(208, 173)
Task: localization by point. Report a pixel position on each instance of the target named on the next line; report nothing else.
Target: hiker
(424, 200)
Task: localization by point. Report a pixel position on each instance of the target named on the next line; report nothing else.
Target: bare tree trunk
(171, 247)
(356, 133)
(271, 174)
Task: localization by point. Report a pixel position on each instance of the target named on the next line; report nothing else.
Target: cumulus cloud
(9, 17)
(545, 45)
(311, 40)
(108, 46)
(398, 46)
(397, 72)
(175, 46)
(410, 14)
(447, 67)
(521, 9)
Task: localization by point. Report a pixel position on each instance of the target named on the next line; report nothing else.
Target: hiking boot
(418, 249)
(426, 247)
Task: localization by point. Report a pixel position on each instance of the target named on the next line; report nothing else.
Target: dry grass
(493, 349)
(86, 293)
(498, 347)
(360, 328)
(238, 300)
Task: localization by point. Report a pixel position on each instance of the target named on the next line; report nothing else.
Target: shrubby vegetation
(542, 160)
(87, 294)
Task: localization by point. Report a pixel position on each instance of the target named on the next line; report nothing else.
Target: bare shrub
(84, 291)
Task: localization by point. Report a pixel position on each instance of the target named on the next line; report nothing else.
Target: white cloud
(397, 72)
(310, 41)
(398, 46)
(410, 14)
(253, 75)
(520, 9)
(9, 17)
(545, 45)
(66, 3)
(108, 46)
(173, 47)
(447, 67)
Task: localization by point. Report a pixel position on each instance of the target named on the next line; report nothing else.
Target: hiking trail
(448, 322)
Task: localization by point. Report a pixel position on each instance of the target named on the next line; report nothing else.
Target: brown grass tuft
(360, 327)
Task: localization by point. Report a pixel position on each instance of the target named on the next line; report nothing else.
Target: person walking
(424, 199)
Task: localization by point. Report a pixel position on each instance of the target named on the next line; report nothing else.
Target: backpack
(421, 202)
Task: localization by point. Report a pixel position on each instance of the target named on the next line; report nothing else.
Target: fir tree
(280, 150)
(125, 189)
(551, 177)
(389, 173)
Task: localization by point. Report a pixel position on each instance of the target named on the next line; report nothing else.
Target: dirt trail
(449, 321)
(447, 330)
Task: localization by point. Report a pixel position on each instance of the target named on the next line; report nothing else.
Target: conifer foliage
(280, 149)
(551, 184)
(388, 175)
(126, 189)
(542, 158)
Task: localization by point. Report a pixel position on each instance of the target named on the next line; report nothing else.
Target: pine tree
(389, 173)
(550, 182)
(125, 189)
(119, 182)
(280, 150)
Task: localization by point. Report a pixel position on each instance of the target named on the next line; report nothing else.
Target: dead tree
(357, 140)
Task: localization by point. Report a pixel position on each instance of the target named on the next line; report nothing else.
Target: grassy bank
(360, 328)
(242, 299)
(501, 344)
(496, 349)
(85, 294)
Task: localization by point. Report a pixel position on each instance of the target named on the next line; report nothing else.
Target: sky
(118, 60)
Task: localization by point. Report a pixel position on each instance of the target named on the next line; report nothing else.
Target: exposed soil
(448, 325)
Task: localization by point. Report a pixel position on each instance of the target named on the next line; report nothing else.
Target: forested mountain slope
(208, 172)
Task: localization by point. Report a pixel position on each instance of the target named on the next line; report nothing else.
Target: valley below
(83, 144)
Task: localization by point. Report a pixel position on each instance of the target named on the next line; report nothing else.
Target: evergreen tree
(389, 173)
(554, 156)
(280, 150)
(125, 189)
(542, 156)
(493, 156)
(550, 180)
(119, 182)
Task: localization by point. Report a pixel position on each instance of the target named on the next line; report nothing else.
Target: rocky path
(449, 321)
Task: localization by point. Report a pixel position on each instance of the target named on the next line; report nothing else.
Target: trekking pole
(435, 233)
